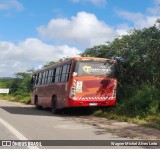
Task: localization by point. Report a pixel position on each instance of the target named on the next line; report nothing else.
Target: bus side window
(43, 77)
(68, 71)
(38, 83)
(40, 78)
(68, 68)
(65, 73)
(37, 77)
(53, 75)
(46, 77)
(49, 78)
(58, 74)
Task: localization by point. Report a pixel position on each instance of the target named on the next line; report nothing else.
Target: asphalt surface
(24, 122)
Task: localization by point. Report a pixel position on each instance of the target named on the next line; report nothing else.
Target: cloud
(84, 30)
(30, 53)
(141, 20)
(95, 2)
(155, 10)
(138, 19)
(122, 29)
(11, 4)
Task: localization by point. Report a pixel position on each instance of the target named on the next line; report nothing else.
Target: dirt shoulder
(122, 129)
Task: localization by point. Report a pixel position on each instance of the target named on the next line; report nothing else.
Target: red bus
(78, 82)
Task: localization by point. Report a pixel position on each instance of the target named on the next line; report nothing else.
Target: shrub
(145, 101)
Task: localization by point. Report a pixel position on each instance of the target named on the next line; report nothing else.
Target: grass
(152, 121)
(16, 98)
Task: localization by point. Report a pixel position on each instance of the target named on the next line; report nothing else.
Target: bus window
(49, 80)
(103, 68)
(68, 68)
(40, 78)
(46, 77)
(58, 74)
(65, 73)
(43, 77)
(36, 81)
(53, 75)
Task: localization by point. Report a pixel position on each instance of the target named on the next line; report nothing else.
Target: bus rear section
(93, 84)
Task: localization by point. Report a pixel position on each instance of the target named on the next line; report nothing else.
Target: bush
(124, 92)
(145, 101)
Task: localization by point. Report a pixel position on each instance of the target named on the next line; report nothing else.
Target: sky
(34, 32)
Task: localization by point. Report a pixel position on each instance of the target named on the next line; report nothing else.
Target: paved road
(24, 122)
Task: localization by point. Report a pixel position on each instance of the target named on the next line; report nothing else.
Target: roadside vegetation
(20, 87)
(138, 74)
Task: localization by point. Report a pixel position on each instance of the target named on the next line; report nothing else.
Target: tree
(21, 83)
(138, 56)
(50, 63)
(55, 62)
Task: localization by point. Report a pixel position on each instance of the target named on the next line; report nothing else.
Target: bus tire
(36, 104)
(54, 105)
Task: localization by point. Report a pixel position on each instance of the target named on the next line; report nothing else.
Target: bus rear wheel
(54, 105)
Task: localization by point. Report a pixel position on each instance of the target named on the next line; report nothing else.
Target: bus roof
(70, 60)
(91, 58)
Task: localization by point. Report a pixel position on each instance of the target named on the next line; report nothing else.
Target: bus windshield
(98, 68)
